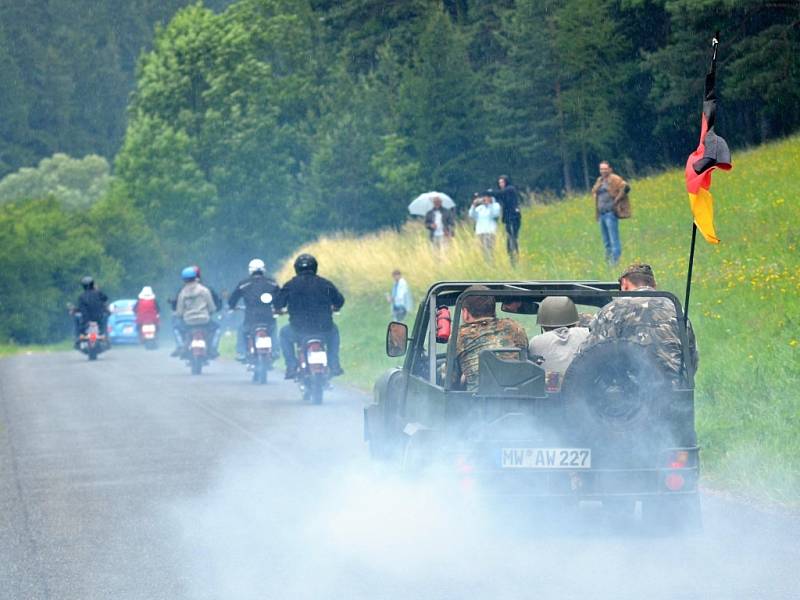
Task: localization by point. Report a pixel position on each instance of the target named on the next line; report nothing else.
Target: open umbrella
(424, 202)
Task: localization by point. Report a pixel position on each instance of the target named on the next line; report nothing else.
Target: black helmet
(304, 263)
(87, 282)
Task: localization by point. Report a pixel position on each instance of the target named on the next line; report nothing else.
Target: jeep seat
(501, 377)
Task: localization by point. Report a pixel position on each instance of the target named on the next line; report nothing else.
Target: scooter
(195, 352)
(259, 353)
(148, 335)
(313, 374)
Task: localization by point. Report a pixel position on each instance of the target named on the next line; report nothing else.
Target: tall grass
(744, 304)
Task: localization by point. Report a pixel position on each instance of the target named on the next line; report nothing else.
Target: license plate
(127, 329)
(198, 343)
(148, 328)
(263, 343)
(546, 458)
(317, 358)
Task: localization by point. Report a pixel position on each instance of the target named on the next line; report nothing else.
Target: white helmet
(146, 293)
(256, 265)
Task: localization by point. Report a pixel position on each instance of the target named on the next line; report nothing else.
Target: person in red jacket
(146, 308)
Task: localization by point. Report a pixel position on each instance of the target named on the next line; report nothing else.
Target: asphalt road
(129, 478)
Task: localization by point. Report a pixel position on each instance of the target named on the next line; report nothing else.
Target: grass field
(8, 349)
(745, 302)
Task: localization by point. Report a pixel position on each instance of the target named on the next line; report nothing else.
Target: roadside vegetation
(745, 303)
(9, 349)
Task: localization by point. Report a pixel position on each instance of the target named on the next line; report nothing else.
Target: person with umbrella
(440, 222)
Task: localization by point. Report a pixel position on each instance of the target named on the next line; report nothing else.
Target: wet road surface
(129, 478)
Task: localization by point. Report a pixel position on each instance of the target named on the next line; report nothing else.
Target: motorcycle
(148, 333)
(92, 342)
(259, 353)
(195, 352)
(313, 374)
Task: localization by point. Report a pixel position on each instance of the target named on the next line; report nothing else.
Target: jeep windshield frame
(592, 293)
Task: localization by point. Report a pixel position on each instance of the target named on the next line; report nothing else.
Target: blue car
(122, 323)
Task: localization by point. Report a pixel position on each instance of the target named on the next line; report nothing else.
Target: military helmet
(638, 269)
(557, 311)
(305, 263)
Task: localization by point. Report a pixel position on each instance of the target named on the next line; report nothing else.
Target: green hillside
(744, 307)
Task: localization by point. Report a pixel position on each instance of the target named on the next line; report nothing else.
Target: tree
(439, 110)
(76, 183)
(46, 250)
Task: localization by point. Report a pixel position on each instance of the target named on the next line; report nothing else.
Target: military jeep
(616, 427)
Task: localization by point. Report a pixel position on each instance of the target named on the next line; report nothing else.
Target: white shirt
(437, 223)
(401, 295)
(485, 217)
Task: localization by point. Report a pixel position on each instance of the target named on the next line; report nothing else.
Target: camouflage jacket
(486, 334)
(646, 321)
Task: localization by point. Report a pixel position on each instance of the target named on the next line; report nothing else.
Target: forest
(139, 137)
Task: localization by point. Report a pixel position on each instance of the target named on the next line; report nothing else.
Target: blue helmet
(189, 274)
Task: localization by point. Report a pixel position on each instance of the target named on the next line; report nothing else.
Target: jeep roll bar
(583, 290)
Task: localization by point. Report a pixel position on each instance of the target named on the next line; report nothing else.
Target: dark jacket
(509, 200)
(311, 301)
(448, 221)
(92, 305)
(250, 290)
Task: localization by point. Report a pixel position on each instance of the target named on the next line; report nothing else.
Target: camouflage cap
(638, 268)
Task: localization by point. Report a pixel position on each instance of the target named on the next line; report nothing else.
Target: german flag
(712, 153)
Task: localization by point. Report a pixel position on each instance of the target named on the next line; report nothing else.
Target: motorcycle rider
(92, 306)
(146, 308)
(178, 327)
(311, 301)
(258, 292)
(195, 306)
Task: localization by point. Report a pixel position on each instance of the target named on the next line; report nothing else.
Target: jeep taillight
(674, 482)
(678, 459)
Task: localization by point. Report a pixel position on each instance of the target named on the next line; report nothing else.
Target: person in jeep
(649, 321)
(482, 330)
(561, 335)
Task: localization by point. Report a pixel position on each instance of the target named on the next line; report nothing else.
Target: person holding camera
(485, 212)
(508, 198)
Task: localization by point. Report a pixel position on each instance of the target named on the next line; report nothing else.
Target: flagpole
(714, 46)
(689, 274)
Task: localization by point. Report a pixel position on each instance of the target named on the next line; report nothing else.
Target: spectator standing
(440, 222)
(611, 203)
(485, 212)
(512, 216)
(400, 297)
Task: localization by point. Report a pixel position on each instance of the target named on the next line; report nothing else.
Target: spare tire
(619, 385)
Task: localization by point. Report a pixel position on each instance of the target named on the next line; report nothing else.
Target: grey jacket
(195, 304)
